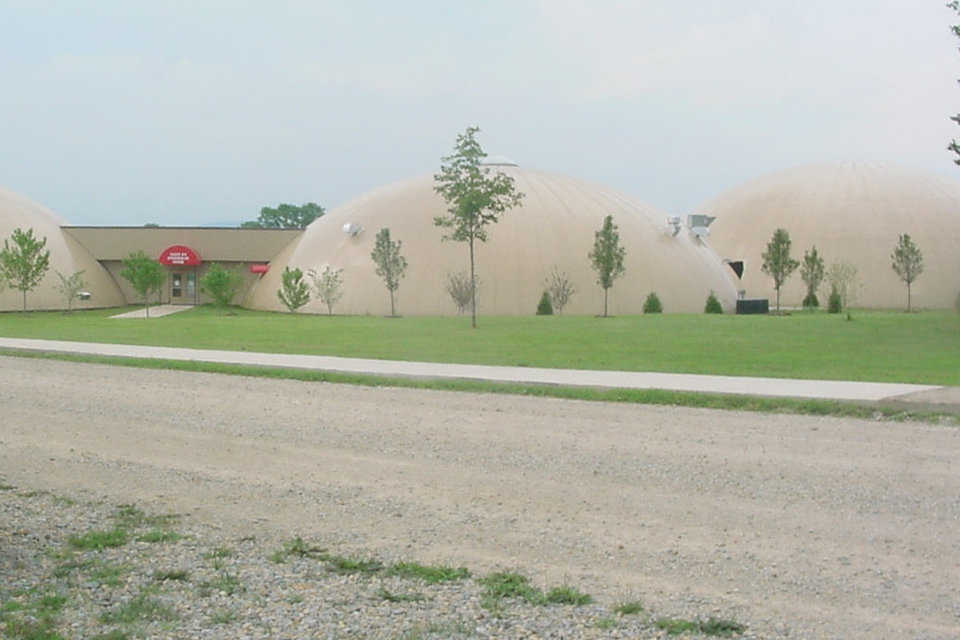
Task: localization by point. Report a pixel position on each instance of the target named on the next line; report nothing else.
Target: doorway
(183, 287)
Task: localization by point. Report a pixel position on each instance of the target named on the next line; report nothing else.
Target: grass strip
(727, 402)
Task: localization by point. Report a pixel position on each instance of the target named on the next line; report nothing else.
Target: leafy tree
(24, 262)
(391, 265)
(222, 284)
(475, 198)
(145, 275)
(812, 271)
(462, 289)
(70, 286)
(652, 303)
(777, 262)
(560, 288)
(545, 307)
(954, 146)
(843, 279)
(834, 302)
(907, 262)
(607, 256)
(328, 284)
(293, 292)
(286, 216)
(713, 304)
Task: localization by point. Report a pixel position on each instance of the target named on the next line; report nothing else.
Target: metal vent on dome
(352, 229)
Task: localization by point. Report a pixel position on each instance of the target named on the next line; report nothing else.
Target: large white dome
(554, 226)
(851, 212)
(66, 256)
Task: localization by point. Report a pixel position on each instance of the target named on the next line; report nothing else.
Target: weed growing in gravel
(568, 595)
(141, 609)
(35, 619)
(503, 585)
(295, 599)
(345, 565)
(219, 553)
(71, 564)
(629, 608)
(710, 627)
(605, 622)
(389, 596)
(444, 629)
(6, 487)
(116, 634)
(99, 540)
(225, 583)
(109, 574)
(428, 574)
(297, 547)
(130, 516)
(223, 616)
(171, 574)
(159, 535)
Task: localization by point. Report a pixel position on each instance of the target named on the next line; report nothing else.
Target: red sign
(259, 268)
(179, 256)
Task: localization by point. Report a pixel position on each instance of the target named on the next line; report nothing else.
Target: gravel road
(799, 527)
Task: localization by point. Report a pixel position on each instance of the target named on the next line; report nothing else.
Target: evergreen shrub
(545, 306)
(652, 304)
(713, 305)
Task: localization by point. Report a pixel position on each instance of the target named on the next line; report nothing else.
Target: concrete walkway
(156, 311)
(771, 387)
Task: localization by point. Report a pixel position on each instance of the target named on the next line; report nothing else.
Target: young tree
(475, 199)
(24, 262)
(843, 279)
(560, 288)
(145, 275)
(777, 262)
(907, 262)
(328, 284)
(461, 289)
(954, 146)
(293, 292)
(286, 216)
(607, 256)
(812, 272)
(70, 286)
(222, 284)
(390, 264)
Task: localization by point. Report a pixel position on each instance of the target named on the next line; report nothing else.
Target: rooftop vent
(498, 161)
(673, 225)
(352, 229)
(700, 224)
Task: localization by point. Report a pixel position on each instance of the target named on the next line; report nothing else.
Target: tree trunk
(392, 311)
(24, 299)
(908, 297)
(605, 302)
(778, 300)
(473, 289)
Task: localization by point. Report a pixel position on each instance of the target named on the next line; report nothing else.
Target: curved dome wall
(66, 256)
(851, 212)
(554, 226)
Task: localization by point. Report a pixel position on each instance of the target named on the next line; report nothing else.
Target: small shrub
(545, 307)
(834, 302)
(652, 303)
(810, 301)
(629, 608)
(713, 304)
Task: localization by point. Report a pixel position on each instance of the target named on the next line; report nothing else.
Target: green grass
(347, 565)
(630, 608)
(503, 585)
(879, 346)
(159, 535)
(142, 608)
(130, 516)
(568, 595)
(385, 594)
(35, 619)
(710, 627)
(171, 574)
(428, 574)
(99, 540)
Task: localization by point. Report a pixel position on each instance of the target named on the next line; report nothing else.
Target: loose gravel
(797, 527)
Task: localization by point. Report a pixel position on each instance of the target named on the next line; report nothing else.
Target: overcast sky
(202, 111)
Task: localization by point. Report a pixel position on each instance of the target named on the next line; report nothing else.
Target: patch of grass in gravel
(99, 540)
(116, 634)
(385, 594)
(428, 574)
(568, 595)
(109, 574)
(223, 616)
(605, 622)
(299, 548)
(7, 487)
(171, 574)
(219, 553)
(441, 629)
(347, 565)
(159, 535)
(225, 583)
(503, 585)
(34, 619)
(629, 608)
(129, 516)
(142, 608)
(710, 627)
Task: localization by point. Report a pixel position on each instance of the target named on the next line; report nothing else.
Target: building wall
(114, 267)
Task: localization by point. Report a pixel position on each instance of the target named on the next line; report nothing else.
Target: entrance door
(176, 287)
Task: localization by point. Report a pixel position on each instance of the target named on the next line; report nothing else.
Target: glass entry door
(176, 287)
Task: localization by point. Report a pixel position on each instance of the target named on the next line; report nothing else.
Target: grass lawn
(877, 346)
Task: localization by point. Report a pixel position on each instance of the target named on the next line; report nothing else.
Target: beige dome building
(851, 212)
(66, 256)
(554, 227)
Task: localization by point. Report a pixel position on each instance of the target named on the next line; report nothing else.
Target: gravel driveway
(799, 527)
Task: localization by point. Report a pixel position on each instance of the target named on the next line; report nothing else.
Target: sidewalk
(770, 387)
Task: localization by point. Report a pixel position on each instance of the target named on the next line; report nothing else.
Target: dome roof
(851, 212)
(554, 227)
(66, 256)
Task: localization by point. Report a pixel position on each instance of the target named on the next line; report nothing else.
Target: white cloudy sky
(200, 111)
